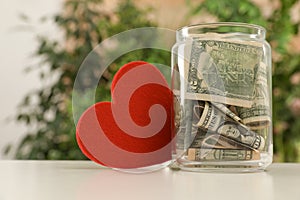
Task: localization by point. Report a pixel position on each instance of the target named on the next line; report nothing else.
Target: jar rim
(246, 25)
(253, 29)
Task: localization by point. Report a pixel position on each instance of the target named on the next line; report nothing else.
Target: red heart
(135, 129)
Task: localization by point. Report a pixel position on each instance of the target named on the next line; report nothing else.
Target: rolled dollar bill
(258, 116)
(209, 118)
(199, 154)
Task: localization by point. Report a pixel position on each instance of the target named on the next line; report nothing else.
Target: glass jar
(221, 80)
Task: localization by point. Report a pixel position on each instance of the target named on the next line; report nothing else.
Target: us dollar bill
(180, 122)
(199, 154)
(183, 114)
(216, 141)
(227, 111)
(209, 118)
(223, 71)
(258, 116)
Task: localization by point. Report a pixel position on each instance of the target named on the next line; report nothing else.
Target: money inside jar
(226, 100)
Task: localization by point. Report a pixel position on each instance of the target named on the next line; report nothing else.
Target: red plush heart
(135, 129)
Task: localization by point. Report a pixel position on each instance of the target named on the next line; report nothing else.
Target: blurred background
(43, 44)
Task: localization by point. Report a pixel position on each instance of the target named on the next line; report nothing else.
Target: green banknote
(223, 71)
(259, 115)
(198, 154)
(209, 118)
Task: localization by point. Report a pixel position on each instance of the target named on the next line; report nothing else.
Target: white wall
(17, 44)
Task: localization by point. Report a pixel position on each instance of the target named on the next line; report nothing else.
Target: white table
(84, 180)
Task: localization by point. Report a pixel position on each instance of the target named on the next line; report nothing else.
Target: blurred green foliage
(48, 111)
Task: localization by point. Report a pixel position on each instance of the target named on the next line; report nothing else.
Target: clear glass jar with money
(221, 80)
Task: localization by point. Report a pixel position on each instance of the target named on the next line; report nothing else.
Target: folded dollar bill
(216, 141)
(223, 71)
(209, 118)
(199, 154)
(258, 116)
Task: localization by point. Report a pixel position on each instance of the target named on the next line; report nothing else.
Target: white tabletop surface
(84, 180)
